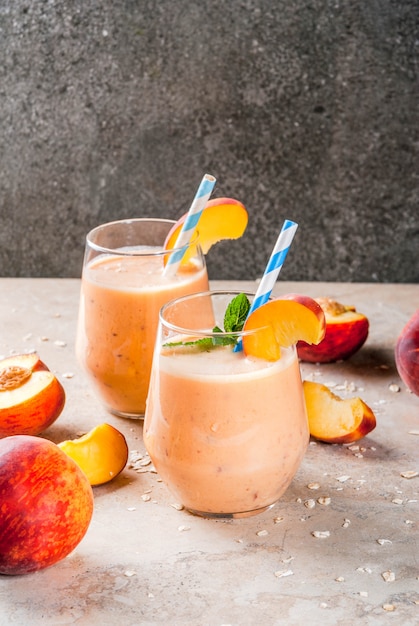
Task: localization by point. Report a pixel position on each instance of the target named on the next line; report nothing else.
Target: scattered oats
(382, 542)
(410, 501)
(394, 388)
(150, 595)
(413, 432)
(183, 528)
(388, 607)
(346, 386)
(283, 573)
(340, 579)
(353, 448)
(364, 594)
(68, 375)
(146, 497)
(364, 570)
(313, 486)
(324, 500)
(359, 455)
(27, 337)
(299, 500)
(409, 474)
(129, 572)
(278, 520)
(409, 521)
(383, 366)
(343, 479)
(44, 338)
(346, 523)
(323, 605)
(262, 533)
(388, 576)
(57, 314)
(177, 506)
(373, 448)
(145, 462)
(310, 504)
(397, 501)
(288, 559)
(239, 540)
(60, 344)
(131, 508)
(148, 491)
(330, 383)
(321, 534)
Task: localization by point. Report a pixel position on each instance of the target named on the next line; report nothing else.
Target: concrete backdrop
(302, 109)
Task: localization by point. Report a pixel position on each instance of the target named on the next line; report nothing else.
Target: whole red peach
(407, 354)
(31, 397)
(46, 504)
(346, 331)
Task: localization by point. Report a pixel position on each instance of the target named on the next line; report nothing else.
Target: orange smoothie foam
(228, 439)
(120, 303)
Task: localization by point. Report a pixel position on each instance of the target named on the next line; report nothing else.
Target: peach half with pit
(333, 419)
(407, 353)
(46, 504)
(346, 331)
(222, 218)
(282, 322)
(31, 396)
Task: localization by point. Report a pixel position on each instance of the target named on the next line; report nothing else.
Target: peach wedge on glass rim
(283, 322)
(333, 419)
(222, 218)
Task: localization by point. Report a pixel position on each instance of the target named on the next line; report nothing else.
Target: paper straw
(190, 223)
(275, 263)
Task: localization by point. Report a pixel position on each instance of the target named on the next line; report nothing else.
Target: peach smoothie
(226, 432)
(119, 307)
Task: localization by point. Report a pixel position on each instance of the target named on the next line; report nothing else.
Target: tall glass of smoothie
(225, 431)
(124, 285)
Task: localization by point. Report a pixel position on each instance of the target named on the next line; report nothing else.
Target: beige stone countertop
(145, 562)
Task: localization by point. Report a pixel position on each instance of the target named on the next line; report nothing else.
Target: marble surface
(143, 562)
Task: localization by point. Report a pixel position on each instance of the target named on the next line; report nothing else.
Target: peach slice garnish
(333, 419)
(222, 218)
(281, 323)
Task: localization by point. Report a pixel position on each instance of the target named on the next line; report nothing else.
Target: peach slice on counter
(333, 419)
(222, 218)
(281, 323)
(102, 453)
(31, 397)
(346, 332)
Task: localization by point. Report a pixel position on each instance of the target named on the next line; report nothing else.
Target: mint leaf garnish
(234, 318)
(236, 313)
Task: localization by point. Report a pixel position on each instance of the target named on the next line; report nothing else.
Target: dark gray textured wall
(305, 109)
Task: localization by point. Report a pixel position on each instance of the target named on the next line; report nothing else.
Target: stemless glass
(225, 431)
(123, 288)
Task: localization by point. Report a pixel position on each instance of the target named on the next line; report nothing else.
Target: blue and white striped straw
(275, 263)
(190, 223)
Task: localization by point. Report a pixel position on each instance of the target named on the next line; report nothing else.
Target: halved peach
(31, 397)
(222, 218)
(102, 453)
(281, 323)
(346, 332)
(333, 419)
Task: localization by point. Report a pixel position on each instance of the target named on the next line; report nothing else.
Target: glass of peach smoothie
(225, 431)
(123, 288)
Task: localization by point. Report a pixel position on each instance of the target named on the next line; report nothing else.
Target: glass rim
(129, 220)
(207, 333)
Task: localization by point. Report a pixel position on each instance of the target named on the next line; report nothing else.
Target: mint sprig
(234, 318)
